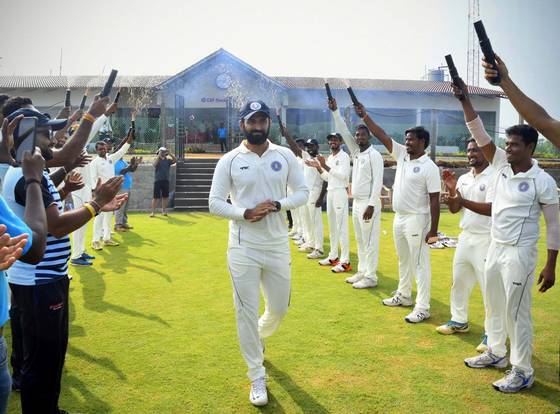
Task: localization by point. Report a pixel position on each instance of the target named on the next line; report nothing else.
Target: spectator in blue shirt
(222, 135)
(125, 169)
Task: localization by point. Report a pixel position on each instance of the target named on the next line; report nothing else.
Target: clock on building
(223, 81)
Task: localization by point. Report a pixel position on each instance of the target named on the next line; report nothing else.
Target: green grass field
(152, 330)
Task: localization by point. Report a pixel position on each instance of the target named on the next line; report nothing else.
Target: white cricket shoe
(353, 279)
(397, 300)
(299, 241)
(305, 248)
(315, 254)
(417, 316)
(296, 236)
(341, 268)
(486, 360)
(365, 283)
(292, 232)
(514, 381)
(258, 395)
(328, 262)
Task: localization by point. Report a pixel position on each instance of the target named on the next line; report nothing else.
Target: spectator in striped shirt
(40, 291)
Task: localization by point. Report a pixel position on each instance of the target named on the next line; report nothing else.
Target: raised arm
(75, 145)
(291, 143)
(341, 127)
(173, 158)
(34, 215)
(474, 123)
(375, 129)
(535, 114)
(105, 199)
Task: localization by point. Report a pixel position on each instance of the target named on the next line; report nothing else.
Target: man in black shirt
(162, 164)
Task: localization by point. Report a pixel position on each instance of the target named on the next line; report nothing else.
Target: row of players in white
(258, 252)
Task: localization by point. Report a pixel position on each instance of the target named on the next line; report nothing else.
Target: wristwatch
(277, 205)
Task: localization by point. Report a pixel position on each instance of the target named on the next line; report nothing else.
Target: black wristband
(277, 205)
(31, 181)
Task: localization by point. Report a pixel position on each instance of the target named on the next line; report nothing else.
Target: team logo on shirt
(482, 187)
(523, 187)
(276, 166)
(416, 170)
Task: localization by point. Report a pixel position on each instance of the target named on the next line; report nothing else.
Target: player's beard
(256, 138)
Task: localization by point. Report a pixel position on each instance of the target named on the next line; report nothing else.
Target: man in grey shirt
(162, 164)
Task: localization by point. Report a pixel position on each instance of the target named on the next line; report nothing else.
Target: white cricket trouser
(102, 226)
(79, 198)
(252, 269)
(314, 222)
(409, 233)
(337, 213)
(509, 276)
(367, 237)
(297, 214)
(468, 268)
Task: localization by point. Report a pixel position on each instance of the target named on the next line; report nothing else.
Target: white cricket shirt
(475, 188)
(367, 171)
(414, 181)
(339, 175)
(249, 180)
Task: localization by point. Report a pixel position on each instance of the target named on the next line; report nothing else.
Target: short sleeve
(548, 191)
(433, 180)
(500, 158)
(399, 151)
(15, 225)
(20, 192)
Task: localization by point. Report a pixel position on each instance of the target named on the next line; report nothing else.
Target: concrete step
(192, 188)
(192, 194)
(200, 161)
(191, 208)
(196, 170)
(191, 202)
(194, 175)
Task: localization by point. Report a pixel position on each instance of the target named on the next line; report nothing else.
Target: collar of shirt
(424, 158)
(530, 173)
(243, 148)
(487, 171)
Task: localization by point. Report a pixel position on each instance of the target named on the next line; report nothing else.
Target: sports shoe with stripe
(315, 254)
(110, 242)
(365, 283)
(305, 248)
(299, 242)
(328, 262)
(353, 279)
(341, 268)
(397, 300)
(486, 360)
(417, 316)
(258, 394)
(514, 381)
(483, 346)
(452, 327)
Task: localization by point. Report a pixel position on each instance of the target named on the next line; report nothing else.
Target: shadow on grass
(101, 361)
(305, 401)
(80, 399)
(93, 290)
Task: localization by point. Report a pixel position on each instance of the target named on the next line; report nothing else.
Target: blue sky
(394, 39)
